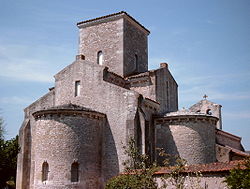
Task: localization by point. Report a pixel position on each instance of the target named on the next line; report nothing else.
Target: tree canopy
(239, 178)
(8, 158)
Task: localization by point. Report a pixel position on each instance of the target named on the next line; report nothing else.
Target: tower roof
(205, 101)
(109, 16)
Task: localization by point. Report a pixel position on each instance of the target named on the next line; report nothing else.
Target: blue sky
(206, 43)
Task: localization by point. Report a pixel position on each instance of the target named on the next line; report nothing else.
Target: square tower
(117, 41)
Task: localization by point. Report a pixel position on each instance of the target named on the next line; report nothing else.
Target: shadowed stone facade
(72, 137)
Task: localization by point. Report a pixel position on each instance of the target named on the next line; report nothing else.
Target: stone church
(72, 137)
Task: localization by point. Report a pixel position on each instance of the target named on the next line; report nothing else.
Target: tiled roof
(185, 113)
(111, 15)
(224, 133)
(152, 100)
(238, 152)
(206, 168)
(205, 101)
(65, 108)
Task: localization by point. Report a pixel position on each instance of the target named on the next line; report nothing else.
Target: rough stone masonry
(72, 137)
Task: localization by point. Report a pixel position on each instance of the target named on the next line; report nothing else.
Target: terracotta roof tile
(206, 168)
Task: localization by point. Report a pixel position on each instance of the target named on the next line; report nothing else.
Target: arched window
(75, 172)
(100, 58)
(77, 88)
(45, 171)
(209, 112)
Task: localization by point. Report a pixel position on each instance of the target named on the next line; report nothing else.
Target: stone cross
(205, 96)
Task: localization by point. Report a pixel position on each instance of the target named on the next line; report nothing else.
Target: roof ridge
(110, 15)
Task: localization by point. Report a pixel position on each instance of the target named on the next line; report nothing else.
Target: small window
(45, 171)
(209, 112)
(77, 88)
(75, 172)
(100, 58)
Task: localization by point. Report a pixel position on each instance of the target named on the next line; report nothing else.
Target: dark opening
(75, 172)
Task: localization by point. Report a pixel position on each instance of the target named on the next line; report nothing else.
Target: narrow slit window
(75, 172)
(100, 58)
(45, 171)
(77, 88)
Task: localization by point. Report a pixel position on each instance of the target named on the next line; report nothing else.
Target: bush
(128, 182)
(139, 171)
(8, 161)
(239, 178)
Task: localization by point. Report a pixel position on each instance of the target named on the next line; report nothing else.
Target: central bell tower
(117, 41)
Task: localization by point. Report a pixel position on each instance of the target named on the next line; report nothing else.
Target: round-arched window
(45, 171)
(75, 172)
(209, 112)
(100, 58)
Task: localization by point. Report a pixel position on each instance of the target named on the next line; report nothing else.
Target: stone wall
(190, 137)
(119, 104)
(207, 107)
(158, 85)
(222, 153)
(135, 44)
(114, 79)
(208, 181)
(166, 90)
(119, 38)
(24, 156)
(25, 168)
(106, 37)
(227, 139)
(144, 84)
(61, 140)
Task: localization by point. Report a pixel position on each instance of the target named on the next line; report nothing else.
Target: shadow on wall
(167, 143)
(110, 164)
(87, 141)
(107, 158)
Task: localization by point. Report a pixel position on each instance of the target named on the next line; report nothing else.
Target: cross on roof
(205, 96)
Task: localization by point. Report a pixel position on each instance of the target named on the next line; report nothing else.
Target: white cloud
(25, 69)
(22, 62)
(15, 100)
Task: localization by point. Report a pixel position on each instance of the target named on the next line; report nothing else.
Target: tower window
(100, 58)
(209, 112)
(45, 171)
(77, 88)
(75, 172)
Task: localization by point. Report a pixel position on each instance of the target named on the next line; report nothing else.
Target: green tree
(139, 171)
(8, 158)
(239, 178)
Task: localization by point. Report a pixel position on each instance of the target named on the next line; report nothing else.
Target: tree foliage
(139, 171)
(8, 158)
(239, 178)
